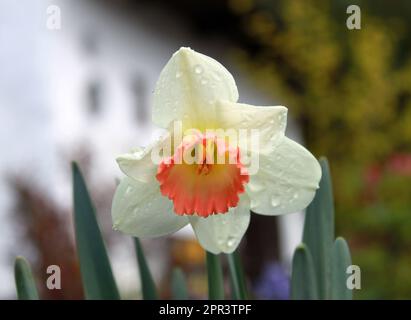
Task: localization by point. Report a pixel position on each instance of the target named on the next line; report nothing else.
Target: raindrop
(230, 241)
(295, 196)
(198, 69)
(128, 190)
(179, 74)
(255, 187)
(253, 203)
(275, 202)
(220, 241)
(204, 81)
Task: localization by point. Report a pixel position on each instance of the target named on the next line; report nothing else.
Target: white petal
(140, 210)
(223, 232)
(138, 165)
(142, 164)
(269, 121)
(286, 181)
(188, 87)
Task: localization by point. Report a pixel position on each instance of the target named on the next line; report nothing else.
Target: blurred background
(82, 91)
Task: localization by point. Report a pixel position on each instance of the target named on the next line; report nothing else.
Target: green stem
(237, 276)
(215, 277)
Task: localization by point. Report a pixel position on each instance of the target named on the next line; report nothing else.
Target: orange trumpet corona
(197, 183)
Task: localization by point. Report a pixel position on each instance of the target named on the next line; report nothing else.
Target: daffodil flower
(155, 199)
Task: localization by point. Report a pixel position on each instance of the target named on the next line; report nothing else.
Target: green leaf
(147, 283)
(303, 278)
(319, 231)
(239, 288)
(178, 285)
(340, 262)
(215, 277)
(25, 285)
(98, 280)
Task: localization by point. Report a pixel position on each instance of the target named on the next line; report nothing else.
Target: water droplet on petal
(255, 187)
(230, 241)
(128, 190)
(220, 241)
(204, 81)
(295, 196)
(198, 69)
(275, 202)
(253, 203)
(179, 74)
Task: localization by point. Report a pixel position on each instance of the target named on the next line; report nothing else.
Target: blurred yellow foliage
(350, 91)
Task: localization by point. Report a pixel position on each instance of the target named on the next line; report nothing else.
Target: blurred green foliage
(350, 91)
